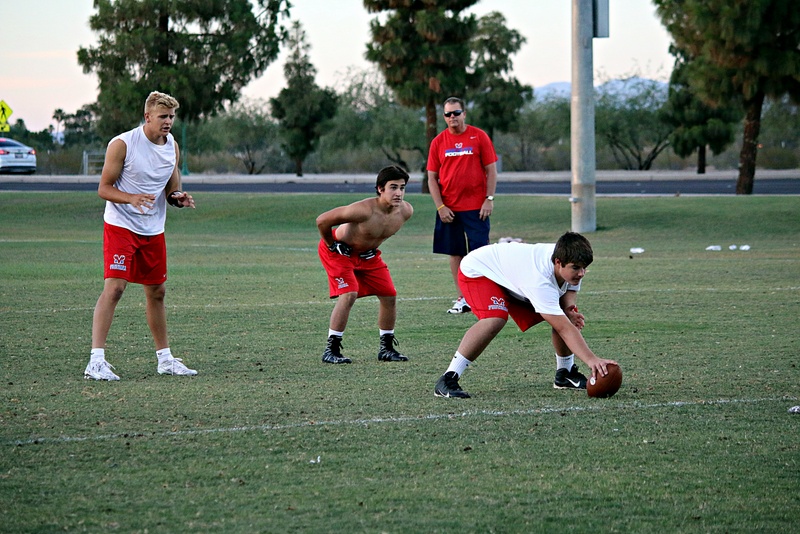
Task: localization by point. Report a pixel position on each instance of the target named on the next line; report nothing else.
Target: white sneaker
(460, 306)
(100, 371)
(174, 366)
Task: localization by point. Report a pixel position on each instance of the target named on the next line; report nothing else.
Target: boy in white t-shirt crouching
(531, 283)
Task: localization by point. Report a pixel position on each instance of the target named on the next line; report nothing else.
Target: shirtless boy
(349, 253)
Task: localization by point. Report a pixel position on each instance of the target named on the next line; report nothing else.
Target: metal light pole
(589, 20)
(184, 153)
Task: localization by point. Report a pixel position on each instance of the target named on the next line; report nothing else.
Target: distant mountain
(564, 89)
(555, 89)
(631, 86)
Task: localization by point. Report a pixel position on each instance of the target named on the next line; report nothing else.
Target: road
(608, 183)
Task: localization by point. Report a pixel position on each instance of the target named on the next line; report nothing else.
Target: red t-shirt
(460, 161)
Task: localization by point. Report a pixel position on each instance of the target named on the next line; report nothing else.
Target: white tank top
(146, 169)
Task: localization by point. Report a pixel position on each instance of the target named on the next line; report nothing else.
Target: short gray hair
(455, 100)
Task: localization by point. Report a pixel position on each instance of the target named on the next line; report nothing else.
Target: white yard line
(600, 406)
(401, 299)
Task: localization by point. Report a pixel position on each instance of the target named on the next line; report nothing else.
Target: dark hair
(573, 248)
(387, 174)
(455, 100)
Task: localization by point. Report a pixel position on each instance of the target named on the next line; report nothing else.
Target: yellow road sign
(5, 113)
(5, 127)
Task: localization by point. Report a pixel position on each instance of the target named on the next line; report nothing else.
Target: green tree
(58, 116)
(302, 108)
(543, 136)
(695, 124)
(423, 50)
(80, 128)
(369, 116)
(781, 123)
(740, 49)
(203, 52)
(248, 131)
(628, 121)
(40, 141)
(499, 97)
(779, 141)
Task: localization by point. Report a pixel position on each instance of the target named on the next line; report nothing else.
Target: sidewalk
(540, 177)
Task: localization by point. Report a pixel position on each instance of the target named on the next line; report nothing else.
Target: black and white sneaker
(387, 352)
(460, 306)
(447, 386)
(571, 379)
(333, 352)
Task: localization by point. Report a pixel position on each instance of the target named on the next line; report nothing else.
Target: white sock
(335, 333)
(98, 355)
(565, 362)
(458, 364)
(387, 331)
(163, 354)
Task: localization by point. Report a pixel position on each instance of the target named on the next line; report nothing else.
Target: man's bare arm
(175, 195)
(357, 212)
(574, 340)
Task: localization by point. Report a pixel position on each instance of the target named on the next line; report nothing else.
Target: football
(604, 387)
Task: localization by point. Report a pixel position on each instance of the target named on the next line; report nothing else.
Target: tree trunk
(298, 166)
(163, 45)
(747, 156)
(430, 133)
(701, 159)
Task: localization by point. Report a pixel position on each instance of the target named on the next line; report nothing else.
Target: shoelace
(451, 382)
(336, 345)
(99, 366)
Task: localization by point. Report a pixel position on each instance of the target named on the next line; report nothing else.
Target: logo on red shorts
(498, 303)
(119, 263)
(340, 282)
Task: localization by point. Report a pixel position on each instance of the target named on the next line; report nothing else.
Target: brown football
(605, 386)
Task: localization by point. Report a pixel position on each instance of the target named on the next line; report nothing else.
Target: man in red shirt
(462, 177)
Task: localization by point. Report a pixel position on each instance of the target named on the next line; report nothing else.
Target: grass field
(268, 439)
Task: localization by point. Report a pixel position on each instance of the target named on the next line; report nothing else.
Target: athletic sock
(565, 362)
(98, 355)
(384, 332)
(164, 355)
(458, 364)
(335, 333)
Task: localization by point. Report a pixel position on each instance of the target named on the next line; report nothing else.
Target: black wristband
(174, 201)
(340, 247)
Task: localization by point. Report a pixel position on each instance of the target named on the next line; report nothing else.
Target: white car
(16, 157)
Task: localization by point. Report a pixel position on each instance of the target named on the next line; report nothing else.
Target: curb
(355, 178)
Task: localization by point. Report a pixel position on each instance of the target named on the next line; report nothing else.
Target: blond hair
(156, 99)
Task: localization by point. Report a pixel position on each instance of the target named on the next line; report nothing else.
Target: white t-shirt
(147, 169)
(525, 270)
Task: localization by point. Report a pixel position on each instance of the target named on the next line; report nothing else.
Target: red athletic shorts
(141, 259)
(488, 299)
(347, 274)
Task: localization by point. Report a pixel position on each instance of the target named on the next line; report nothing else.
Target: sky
(39, 70)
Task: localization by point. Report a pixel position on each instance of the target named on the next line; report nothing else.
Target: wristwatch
(490, 197)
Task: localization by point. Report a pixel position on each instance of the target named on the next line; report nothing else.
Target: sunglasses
(456, 112)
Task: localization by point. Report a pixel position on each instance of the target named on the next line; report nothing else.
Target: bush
(775, 157)
(60, 161)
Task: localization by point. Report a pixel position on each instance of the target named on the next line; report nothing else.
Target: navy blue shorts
(466, 233)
